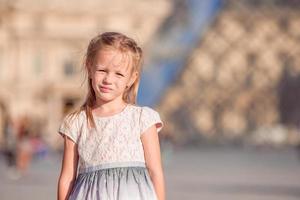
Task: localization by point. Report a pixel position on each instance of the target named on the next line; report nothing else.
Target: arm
(68, 169)
(152, 154)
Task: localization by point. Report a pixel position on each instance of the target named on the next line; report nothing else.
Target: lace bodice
(115, 139)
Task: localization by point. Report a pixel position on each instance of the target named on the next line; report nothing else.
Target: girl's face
(110, 74)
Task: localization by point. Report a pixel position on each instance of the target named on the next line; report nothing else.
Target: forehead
(113, 59)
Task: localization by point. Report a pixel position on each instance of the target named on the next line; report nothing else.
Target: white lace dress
(111, 162)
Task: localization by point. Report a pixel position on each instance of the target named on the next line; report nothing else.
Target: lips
(105, 89)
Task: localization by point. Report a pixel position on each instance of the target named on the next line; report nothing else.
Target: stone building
(42, 44)
(242, 81)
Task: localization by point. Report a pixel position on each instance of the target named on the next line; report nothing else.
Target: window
(37, 64)
(69, 104)
(69, 68)
(1, 70)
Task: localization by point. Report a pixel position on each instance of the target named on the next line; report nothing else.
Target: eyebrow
(99, 65)
(118, 71)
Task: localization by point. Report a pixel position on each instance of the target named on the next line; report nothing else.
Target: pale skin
(152, 155)
(106, 73)
(68, 169)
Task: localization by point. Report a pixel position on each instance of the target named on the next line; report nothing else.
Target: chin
(105, 98)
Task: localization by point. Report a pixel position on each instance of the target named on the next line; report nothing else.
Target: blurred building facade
(239, 84)
(242, 81)
(42, 45)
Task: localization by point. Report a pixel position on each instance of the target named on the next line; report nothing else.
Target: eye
(119, 74)
(100, 70)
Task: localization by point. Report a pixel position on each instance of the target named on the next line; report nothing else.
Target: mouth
(105, 89)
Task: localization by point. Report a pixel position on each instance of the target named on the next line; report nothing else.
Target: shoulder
(71, 124)
(148, 111)
(74, 117)
(141, 108)
(145, 112)
(148, 117)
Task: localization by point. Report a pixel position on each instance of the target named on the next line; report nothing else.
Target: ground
(191, 174)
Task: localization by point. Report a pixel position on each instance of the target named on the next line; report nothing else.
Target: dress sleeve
(69, 127)
(148, 118)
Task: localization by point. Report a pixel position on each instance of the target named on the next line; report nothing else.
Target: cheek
(94, 85)
(95, 81)
(97, 78)
(122, 83)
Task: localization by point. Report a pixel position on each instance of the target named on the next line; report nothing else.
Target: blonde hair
(115, 41)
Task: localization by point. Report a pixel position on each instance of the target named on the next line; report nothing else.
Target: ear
(133, 78)
(90, 72)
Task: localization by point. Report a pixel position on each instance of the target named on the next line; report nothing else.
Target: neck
(109, 106)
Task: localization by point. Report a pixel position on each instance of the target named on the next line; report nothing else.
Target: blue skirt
(115, 181)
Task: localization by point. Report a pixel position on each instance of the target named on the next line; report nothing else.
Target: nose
(107, 79)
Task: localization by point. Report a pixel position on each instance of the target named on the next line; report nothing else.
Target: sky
(172, 45)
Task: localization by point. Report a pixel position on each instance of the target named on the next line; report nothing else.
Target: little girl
(111, 145)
